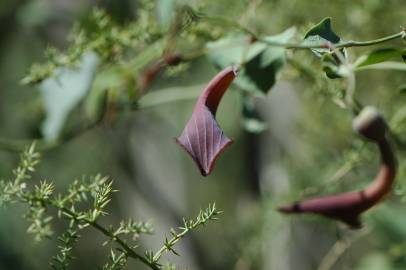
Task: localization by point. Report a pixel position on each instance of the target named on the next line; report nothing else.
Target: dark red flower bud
(202, 137)
(347, 207)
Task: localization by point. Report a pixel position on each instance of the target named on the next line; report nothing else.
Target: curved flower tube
(347, 207)
(202, 137)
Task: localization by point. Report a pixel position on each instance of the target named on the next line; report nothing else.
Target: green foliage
(78, 96)
(67, 240)
(105, 38)
(9, 190)
(378, 56)
(126, 52)
(204, 216)
(117, 262)
(323, 35)
(260, 64)
(97, 190)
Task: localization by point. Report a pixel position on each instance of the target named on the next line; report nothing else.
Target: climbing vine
(111, 67)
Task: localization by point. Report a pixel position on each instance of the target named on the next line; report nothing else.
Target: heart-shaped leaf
(322, 33)
(202, 137)
(319, 34)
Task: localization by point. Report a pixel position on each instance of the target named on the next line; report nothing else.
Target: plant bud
(370, 124)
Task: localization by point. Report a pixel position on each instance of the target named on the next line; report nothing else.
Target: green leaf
(260, 73)
(385, 65)
(321, 33)
(262, 63)
(64, 91)
(232, 50)
(379, 55)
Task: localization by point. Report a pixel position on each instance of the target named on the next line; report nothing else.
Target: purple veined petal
(202, 137)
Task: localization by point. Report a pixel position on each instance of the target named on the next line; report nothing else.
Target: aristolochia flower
(202, 137)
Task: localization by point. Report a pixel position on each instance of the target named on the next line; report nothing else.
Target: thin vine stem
(352, 43)
(289, 45)
(345, 44)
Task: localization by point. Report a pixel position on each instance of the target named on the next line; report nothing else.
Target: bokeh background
(307, 149)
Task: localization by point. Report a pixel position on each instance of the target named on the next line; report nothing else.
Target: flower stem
(352, 43)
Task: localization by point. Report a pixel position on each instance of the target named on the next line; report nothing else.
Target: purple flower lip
(347, 207)
(202, 137)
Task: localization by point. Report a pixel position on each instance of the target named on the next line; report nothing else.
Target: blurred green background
(308, 148)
